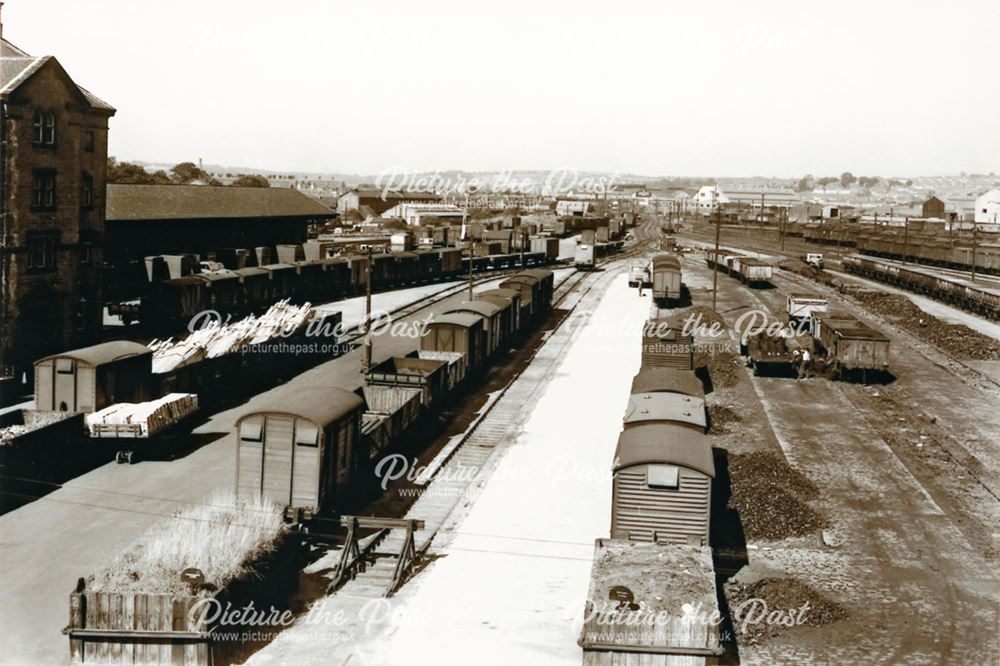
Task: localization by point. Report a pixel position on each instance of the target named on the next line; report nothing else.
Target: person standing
(806, 371)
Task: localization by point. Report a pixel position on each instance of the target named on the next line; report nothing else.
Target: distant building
(565, 207)
(933, 207)
(379, 201)
(988, 208)
(422, 214)
(55, 149)
(147, 220)
(708, 198)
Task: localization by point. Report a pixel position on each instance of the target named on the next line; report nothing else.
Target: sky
(778, 88)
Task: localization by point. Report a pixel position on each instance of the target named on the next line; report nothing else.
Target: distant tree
(128, 173)
(805, 184)
(847, 179)
(186, 173)
(250, 181)
(826, 180)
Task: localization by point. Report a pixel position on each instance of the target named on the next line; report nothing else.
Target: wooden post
(77, 619)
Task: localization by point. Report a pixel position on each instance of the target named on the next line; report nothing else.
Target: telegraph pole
(468, 240)
(906, 237)
(975, 229)
(367, 361)
(715, 258)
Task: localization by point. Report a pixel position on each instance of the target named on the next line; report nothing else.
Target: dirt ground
(903, 546)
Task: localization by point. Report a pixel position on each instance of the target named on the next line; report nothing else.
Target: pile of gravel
(797, 603)
(725, 366)
(771, 496)
(723, 419)
(956, 339)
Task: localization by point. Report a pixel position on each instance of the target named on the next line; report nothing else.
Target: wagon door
(64, 392)
(277, 480)
(306, 465)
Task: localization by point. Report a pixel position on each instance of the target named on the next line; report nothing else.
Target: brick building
(54, 143)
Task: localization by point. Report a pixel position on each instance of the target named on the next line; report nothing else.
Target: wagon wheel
(131, 457)
(120, 457)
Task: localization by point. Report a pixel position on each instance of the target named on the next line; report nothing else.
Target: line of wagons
(658, 557)
(750, 270)
(310, 443)
(977, 300)
(247, 290)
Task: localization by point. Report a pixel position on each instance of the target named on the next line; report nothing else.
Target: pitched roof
(16, 67)
(194, 202)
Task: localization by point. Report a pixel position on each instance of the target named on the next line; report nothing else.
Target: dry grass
(223, 538)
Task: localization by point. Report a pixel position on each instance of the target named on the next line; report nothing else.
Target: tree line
(807, 183)
(184, 173)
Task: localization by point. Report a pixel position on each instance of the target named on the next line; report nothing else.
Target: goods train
(658, 556)
(308, 443)
(975, 299)
(918, 245)
(754, 272)
(242, 291)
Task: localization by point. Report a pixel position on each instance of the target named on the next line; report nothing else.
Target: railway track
(465, 464)
(959, 456)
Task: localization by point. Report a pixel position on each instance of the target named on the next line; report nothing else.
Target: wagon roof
(665, 258)
(466, 319)
(540, 273)
(106, 352)
(484, 308)
(500, 302)
(276, 267)
(802, 294)
(521, 278)
(645, 407)
(321, 405)
(509, 294)
(667, 379)
(664, 444)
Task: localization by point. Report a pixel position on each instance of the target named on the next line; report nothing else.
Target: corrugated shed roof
(106, 352)
(668, 379)
(198, 202)
(664, 444)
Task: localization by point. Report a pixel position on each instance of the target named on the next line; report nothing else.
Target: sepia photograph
(504, 334)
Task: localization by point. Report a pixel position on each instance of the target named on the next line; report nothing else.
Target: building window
(44, 128)
(42, 252)
(86, 190)
(88, 141)
(86, 253)
(43, 192)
